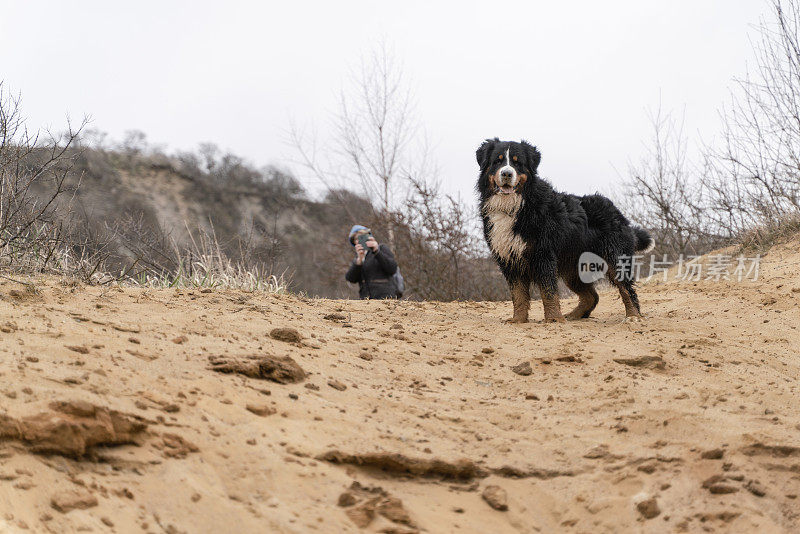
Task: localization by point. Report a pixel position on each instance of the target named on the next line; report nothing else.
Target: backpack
(399, 283)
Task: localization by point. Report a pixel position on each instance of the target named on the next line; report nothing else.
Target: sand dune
(133, 410)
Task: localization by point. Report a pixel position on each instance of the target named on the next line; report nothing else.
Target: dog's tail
(644, 242)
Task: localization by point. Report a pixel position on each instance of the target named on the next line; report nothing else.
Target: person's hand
(372, 244)
(360, 253)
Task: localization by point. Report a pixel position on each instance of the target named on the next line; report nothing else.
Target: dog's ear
(532, 154)
(484, 152)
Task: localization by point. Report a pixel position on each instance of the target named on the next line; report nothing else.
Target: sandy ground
(113, 418)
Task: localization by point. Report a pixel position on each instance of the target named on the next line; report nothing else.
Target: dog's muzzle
(507, 179)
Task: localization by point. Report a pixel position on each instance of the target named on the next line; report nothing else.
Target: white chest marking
(501, 212)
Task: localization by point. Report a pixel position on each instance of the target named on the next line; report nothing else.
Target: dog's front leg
(546, 278)
(521, 298)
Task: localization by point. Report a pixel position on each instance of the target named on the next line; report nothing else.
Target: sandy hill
(145, 207)
(132, 410)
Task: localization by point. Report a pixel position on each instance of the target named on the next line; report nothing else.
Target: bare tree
(748, 180)
(662, 191)
(753, 179)
(373, 131)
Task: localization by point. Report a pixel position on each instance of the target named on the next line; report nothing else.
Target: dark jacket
(374, 276)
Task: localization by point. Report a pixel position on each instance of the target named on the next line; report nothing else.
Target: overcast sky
(575, 78)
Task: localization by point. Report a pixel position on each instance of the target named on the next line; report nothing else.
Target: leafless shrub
(747, 186)
(441, 245)
(664, 194)
(753, 179)
(33, 184)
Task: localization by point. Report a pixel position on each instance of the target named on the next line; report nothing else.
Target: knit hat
(353, 231)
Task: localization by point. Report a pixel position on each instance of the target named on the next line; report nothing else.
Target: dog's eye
(514, 158)
(500, 157)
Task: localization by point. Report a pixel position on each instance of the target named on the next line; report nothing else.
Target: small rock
(523, 369)
(311, 386)
(570, 358)
(289, 335)
(261, 410)
(335, 384)
(64, 501)
(648, 508)
(281, 369)
(176, 446)
(646, 362)
(171, 408)
(647, 468)
(496, 497)
(106, 521)
(346, 499)
(713, 454)
(180, 340)
(722, 489)
(754, 487)
(531, 396)
(80, 349)
(487, 350)
(365, 356)
(599, 451)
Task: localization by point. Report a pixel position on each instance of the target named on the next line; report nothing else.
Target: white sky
(575, 78)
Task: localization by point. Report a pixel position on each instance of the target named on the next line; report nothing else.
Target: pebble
(496, 497)
(289, 335)
(261, 410)
(713, 454)
(523, 368)
(64, 501)
(648, 508)
(335, 384)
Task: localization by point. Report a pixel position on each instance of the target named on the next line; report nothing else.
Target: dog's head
(506, 166)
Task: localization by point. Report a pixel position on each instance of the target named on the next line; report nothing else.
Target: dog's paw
(558, 319)
(514, 320)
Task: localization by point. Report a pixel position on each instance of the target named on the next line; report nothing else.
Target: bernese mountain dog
(537, 234)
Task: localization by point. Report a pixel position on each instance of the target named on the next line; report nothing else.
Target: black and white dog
(537, 234)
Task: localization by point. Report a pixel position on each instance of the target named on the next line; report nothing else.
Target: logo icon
(591, 268)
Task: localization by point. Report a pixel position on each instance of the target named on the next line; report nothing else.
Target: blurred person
(374, 268)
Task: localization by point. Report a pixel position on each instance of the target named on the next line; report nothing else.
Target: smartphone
(362, 240)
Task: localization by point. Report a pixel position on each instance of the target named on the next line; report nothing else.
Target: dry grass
(212, 272)
(762, 238)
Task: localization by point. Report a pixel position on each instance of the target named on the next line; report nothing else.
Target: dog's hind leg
(624, 284)
(587, 299)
